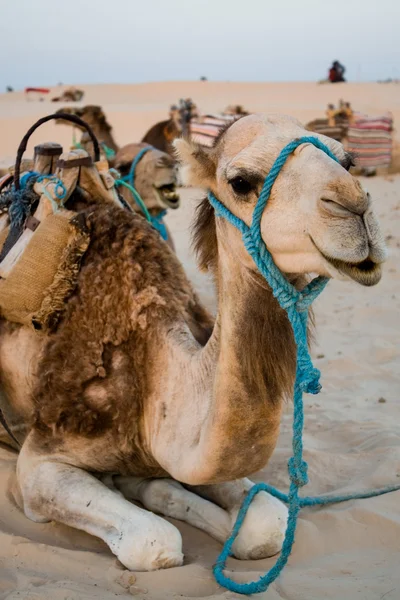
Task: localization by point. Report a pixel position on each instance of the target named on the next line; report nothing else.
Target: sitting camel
(155, 181)
(235, 110)
(185, 122)
(136, 381)
(155, 174)
(162, 134)
(97, 121)
(71, 94)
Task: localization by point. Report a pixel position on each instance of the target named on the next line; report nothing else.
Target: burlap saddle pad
(40, 259)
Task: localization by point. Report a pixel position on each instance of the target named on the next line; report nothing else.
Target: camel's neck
(103, 132)
(226, 407)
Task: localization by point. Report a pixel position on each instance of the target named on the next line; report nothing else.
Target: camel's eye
(241, 186)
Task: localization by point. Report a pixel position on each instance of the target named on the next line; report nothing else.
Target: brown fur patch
(205, 243)
(128, 289)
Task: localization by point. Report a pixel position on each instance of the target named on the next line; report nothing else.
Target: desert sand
(352, 429)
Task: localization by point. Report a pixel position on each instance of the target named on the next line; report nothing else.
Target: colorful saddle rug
(205, 130)
(370, 139)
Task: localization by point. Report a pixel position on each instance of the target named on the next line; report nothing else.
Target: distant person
(9, 89)
(336, 72)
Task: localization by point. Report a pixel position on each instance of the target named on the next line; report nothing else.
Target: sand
(352, 435)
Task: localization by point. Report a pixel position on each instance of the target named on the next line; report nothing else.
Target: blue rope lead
(296, 304)
(129, 182)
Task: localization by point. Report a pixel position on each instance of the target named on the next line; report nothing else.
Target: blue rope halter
(296, 304)
(128, 181)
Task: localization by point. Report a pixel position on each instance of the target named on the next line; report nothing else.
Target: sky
(43, 42)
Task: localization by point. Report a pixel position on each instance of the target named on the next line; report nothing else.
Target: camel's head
(318, 218)
(91, 114)
(155, 176)
(235, 110)
(182, 115)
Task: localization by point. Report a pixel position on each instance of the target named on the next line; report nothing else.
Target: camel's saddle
(337, 121)
(42, 241)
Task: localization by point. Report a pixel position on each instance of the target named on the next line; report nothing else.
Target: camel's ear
(197, 165)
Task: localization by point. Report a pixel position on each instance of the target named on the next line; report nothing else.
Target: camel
(138, 395)
(71, 94)
(96, 119)
(236, 110)
(155, 176)
(155, 180)
(163, 134)
(185, 121)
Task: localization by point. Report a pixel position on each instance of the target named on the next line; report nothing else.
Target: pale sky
(43, 42)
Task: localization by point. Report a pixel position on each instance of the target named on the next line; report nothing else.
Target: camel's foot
(263, 529)
(56, 491)
(215, 510)
(155, 545)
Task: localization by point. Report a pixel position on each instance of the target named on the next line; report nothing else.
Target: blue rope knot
(298, 472)
(309, 381)
(59, 188)
(286, 298)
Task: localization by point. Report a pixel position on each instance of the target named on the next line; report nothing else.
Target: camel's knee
(263, 529)
(34, 479)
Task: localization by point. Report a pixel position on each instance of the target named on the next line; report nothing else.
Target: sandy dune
(132, 109)
(352, 440)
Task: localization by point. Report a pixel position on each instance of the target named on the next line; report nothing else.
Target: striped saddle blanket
(206, 129)
(370, 138)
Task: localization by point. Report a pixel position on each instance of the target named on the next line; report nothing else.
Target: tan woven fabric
(38, 285)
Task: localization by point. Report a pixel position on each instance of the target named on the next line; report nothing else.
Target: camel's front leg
(56, 491)
(214, 511)
(168, 497)
(263, 529)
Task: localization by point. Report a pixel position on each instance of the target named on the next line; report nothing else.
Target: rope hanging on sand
(296, 305)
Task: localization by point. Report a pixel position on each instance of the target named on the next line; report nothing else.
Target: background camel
(136, 381)
(71, 94)
(155, 180)
(94, 116)
(235, 110)
(163, 134)
(155, 174)
(185, 121)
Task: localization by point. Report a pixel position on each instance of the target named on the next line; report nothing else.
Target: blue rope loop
(130, 178)
(109, 152)
(296, 305)
(128, 181)
(158, 223)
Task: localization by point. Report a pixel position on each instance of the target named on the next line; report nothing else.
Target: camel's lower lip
(168, 195)
(367, 272)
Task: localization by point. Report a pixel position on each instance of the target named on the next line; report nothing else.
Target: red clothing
(332, 75)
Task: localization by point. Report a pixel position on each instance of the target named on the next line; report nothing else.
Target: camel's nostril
(336, 209)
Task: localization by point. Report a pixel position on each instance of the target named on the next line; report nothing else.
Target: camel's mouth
(367, 272)
(168, 195)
